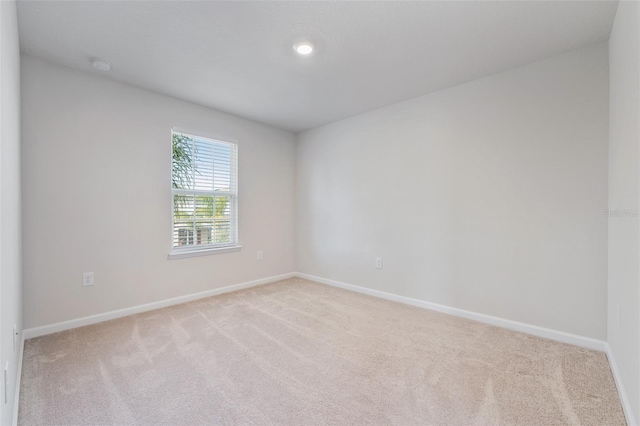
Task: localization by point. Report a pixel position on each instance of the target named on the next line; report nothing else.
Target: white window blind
(204, 188)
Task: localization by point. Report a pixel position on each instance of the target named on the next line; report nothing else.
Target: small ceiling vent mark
(100, 65)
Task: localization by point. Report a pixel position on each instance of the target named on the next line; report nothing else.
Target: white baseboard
(106, 316)
(624, 399)
(16, 398)
(560, 336)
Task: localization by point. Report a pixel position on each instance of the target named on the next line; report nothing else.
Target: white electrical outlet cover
(87, 279)
(6, 382)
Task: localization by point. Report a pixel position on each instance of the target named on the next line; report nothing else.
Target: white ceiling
(238, 57)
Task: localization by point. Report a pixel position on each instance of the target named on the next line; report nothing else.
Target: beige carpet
(302, 353)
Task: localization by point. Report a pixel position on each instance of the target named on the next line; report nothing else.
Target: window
(204, 190)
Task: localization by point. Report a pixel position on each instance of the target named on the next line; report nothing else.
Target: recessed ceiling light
(101, 65)
(303, 48)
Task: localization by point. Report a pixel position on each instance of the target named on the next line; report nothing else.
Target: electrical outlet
(87, 279)
(378, 262)
(259, 256)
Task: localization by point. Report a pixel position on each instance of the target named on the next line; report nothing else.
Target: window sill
(202, 252)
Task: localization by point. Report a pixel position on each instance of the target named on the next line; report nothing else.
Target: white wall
(97, 196)
(10, 242)
(488, 197)
(624, 194)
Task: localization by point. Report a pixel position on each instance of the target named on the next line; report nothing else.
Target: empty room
(320, 212)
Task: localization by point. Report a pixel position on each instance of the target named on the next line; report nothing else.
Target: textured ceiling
(237, 56)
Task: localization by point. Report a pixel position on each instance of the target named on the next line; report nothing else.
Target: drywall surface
(624, 199)
(10, 239)
(489, 196)
(97, 196)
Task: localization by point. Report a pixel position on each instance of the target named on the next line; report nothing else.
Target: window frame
(204, 249)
